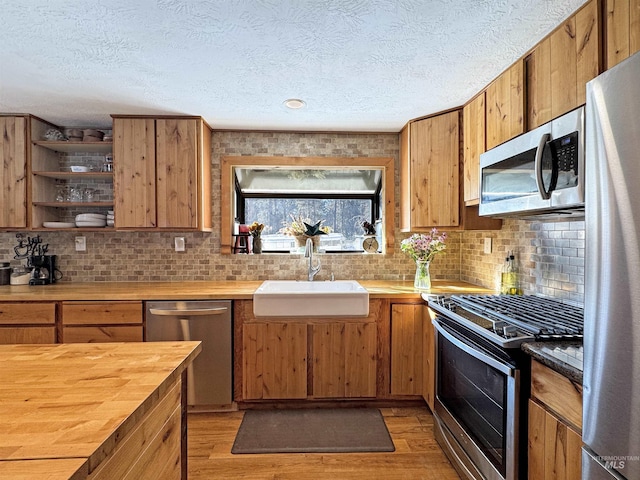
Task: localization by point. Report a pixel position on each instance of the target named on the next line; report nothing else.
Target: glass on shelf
(107, 166)
(62, 193)
(75, 194)
(89, 194)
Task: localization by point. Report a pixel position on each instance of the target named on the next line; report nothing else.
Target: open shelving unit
(48, 171)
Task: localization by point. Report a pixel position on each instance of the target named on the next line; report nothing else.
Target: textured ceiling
(360, 65)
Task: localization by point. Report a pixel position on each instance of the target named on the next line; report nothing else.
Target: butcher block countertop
(229, 290)
(65, 407)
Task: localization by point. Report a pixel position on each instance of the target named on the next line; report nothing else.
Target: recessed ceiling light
(294, 103)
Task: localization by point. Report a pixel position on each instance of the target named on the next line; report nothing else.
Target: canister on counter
(5, 273)
(20, 275)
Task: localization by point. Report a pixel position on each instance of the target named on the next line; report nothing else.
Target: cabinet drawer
(27, 313)
(15, 335)
(101, 313)
(557, 392)
(102, 334)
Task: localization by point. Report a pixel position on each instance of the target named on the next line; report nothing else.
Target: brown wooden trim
(387, 164)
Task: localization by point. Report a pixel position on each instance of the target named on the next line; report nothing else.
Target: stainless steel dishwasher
(209, 384)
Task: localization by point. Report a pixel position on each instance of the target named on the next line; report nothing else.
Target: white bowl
(91, 217)
(79, 168)
(58, 225)
(91, 223)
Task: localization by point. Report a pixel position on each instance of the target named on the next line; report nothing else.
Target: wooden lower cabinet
(555, 449)
(555, 422)
(99, 322)
(27, 334)
(406, 349)
(274, 360)
(27, 323)
(307, 358)
(344, 359)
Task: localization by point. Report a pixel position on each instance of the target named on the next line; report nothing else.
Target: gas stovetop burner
(509, 320)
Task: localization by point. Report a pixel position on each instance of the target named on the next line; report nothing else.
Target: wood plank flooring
(417, 454)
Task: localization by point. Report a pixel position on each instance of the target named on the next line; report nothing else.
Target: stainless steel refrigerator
(611, 416)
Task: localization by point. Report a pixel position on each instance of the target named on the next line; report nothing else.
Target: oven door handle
(483, 357)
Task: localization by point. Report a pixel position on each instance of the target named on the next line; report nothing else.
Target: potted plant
(301, 229)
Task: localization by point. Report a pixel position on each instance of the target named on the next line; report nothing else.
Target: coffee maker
(44, 269)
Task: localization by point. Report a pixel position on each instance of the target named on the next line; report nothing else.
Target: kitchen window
(342, 192)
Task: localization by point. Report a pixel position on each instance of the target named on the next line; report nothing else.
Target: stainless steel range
(482, 376)
(510, 320)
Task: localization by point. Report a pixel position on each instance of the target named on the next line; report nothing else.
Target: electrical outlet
(487, 245)
(81, 244)
(179, 244)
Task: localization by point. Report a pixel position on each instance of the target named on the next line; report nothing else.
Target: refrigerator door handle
(538, 166)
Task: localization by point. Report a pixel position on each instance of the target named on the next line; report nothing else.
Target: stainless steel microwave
(537, 174)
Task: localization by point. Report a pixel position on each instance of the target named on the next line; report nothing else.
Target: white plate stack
(110, 218)
(91, 220)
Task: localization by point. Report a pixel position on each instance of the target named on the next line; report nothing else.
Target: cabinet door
(505, 106)
(473, 121)
(554, 447)
(406, 349)
(561, 65)
(344, 359)
(13, 335)
(134, 153)
(13, 172)
(622, 30)
(177, 173)
(274, 357)
(434, 192)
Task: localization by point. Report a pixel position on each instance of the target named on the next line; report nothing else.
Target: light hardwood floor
(417, 454)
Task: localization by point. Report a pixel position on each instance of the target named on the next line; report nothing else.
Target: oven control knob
(510, 331)
(498, 325)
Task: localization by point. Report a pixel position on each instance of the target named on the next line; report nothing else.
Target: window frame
(228, 186)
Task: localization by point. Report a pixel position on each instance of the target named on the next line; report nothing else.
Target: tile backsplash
(550, 256)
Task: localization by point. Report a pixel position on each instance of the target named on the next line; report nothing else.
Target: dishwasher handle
(190, 312)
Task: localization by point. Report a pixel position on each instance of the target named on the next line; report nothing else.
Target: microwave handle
(538, 166)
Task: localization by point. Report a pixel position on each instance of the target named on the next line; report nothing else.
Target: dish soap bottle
(508, 278)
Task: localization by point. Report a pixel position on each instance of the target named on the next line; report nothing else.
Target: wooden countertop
(230, 290)
(64, 407)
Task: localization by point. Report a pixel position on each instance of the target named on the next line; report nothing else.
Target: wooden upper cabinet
(134, 148)
(622, 27)
(177, 172)
(473, 122)
(505, 106)
(561, 65)
(431, 185)
(162, 173)
(13, 172)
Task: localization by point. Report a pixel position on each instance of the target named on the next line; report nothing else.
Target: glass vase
(257, 244)
(422, 280)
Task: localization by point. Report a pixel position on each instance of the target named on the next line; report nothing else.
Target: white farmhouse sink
(293, 298)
